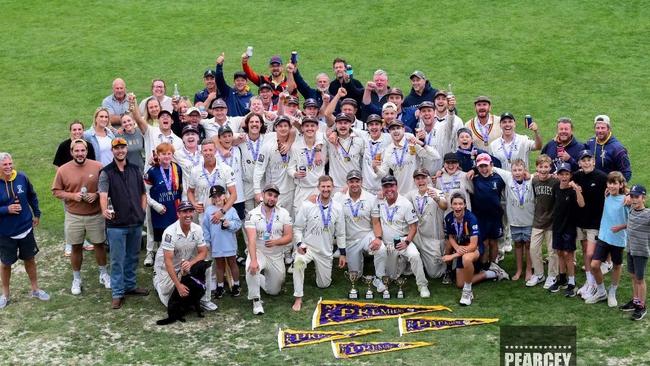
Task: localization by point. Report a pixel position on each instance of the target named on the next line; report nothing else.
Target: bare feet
(297, 304)
(516, 276)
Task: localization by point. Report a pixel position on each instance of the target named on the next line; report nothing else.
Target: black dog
(178, 306)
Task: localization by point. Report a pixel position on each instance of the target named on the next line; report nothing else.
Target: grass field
(547, 59)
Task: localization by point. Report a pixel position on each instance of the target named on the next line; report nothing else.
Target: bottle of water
(176, 93)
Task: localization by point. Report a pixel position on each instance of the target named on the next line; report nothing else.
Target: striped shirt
(638, 233)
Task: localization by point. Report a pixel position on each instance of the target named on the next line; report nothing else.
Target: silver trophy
(400, 281)
(368, 281)
(386, 293)
(352, 276)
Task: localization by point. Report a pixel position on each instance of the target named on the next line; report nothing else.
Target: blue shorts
(490, 228)
(564, 241)
(521, 233)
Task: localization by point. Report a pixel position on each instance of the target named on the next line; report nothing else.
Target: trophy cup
(368, 281)
(352, 276)
(386, 281)
(400, 282)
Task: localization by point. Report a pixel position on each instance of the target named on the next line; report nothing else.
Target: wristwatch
(379, 237)
(222, 211)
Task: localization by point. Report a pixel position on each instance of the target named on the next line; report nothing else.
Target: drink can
(529, 120)
(294, 57)
(249, 51)
(397, 240)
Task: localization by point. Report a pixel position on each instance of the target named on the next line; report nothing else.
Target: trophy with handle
(386, 293)
(352, 276)
(400, 281)
(368, 281)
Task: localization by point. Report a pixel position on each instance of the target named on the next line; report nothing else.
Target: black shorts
(13, 249)
(477, 264)
(241, 209)
(157, 234)
(565, 242)
(490, 228)
(636, 265)
(603, 250)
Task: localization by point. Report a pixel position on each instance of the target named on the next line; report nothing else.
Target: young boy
(611, 239)
(450, 179)
(638, 250)
(543, 184)
(568, 198)
(222, 239)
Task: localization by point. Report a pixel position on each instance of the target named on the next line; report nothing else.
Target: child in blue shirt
(222, 239)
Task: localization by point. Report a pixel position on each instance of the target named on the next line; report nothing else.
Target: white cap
(601, 118)
(389, 105)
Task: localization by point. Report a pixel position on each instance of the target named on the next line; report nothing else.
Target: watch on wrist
(379, 237)
(222, 211)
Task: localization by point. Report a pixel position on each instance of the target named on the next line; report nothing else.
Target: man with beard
(255, 130)
(344, 80)
(116, 103)
(345, 151)
(302, 165)
(485, 125)
(437, 127)
(564, 147)
(609, 153)
(421, 90)
(268, 230)
(189, 156)
(316, 227)
(158, 89)
(76, 184)
(399, 224)
(209, 92)
(237, 98)
(123, 199)
(322, 84)
(277, 80)
(512, 146)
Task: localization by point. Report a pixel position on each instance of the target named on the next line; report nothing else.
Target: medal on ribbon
(168, 181)
(254, 150)
(390, 212)
(354, 210)
(400, 160)
(310, 155)
(421, 203)
(326, 218)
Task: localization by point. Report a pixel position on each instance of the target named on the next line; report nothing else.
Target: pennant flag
(354, 349)
(297, 338)
(333, 312)
(423, 324)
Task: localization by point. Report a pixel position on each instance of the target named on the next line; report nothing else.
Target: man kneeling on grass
(462, 233)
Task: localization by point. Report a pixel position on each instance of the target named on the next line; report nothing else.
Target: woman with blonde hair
(100, 135)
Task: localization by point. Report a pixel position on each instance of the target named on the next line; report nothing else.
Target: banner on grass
(332, 312)
(297, 338)
(354, 349)
(423, 324)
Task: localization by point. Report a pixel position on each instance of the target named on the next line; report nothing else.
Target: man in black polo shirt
(123, 200)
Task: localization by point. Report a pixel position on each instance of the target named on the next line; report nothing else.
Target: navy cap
(310, 102)
(450, 157)
(275, 60)
(374, 118)
(292, 100)
(309, 120)
(240, 74)
(185, 206)
(189, 129)
(343, 117)
(266, 86)
(208, 73)
(224, 130)
(585, 153)
(164, 111)
(426, 104)
(637, 190)
(563, 167)
(394, 123)
(388, 180)
(507, 115)
(353, 174)
(217, 190)
(282, 119)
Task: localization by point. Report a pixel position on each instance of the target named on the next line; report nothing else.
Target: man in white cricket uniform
(512, 146)
(376, 142)
(316, 227)
(232, 156)
(219, 109)
(437, 127)
(451, 180)
(345, 152)
(302, 165)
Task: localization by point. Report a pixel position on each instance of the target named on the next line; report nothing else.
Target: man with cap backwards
(485, 125)
(219, 110)
(564, 147)
(232, 156)
(609, 153)
(272, 163)
(403, 156)
(398, 221)
(376, 143)
(268, 230)
(437, 127)
(362, 231)
(344, 151)
(189, 156)
(302, 164)
(210, 90)
(512, 146)
(421, 90)
(430, 204)
(316, 227)
(238, 97)
(467, 151)
(76, 184)
(182, 247)
(277, 80)
(120, 184)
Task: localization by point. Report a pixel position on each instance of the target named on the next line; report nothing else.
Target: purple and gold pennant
(297, 338)
(354, 349)
(423, 324)
(333, 312)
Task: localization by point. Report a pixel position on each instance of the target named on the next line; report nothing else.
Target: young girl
(611, 239)
(222, 239)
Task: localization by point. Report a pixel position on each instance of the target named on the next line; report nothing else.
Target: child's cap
(217, 191)
(483, 159)
(563, 167)
(637, 190)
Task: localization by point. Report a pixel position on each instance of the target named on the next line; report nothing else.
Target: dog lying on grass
(178, 306)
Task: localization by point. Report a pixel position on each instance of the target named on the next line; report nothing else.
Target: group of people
(361, 171)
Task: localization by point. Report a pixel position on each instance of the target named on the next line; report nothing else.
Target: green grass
(548, 59)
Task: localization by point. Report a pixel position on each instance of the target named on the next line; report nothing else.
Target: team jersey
(395, 219)
(344, 156)
(430, 216)
(520, 199)
(486, 199)
(271, 167)
(201, 180)
(461, 231)
(358, 222)
(184, 247)
(187, 162)
(442, 137)
(304, 157)
(234, 161)
(483, 135)
(250, 153)
(271, 229)
(399, 159)
(212, 127)
(317, 225)
(373, 150)
(166, 189)
(452, 183)
(507, 152)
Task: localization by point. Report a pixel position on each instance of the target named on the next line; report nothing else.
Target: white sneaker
(208, 305)
(105, 279)
(148, 259)
(424, 292)
(550, 281)
(466, 298)
(379, 285)
(589, 291)
(535, 280)
(611, 298)
(501, 274)
(3, 301)
(507, 247)
(605, 267)
(41, 295)
(596, 297)
(258, 309)
(76, 287)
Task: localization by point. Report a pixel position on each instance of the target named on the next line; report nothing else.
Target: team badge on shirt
(168, 238)
(260, 158)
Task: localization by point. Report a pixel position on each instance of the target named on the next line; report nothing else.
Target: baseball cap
(343, 117)
(586, 153)
(450, 157)
(465, 130)
(310, 102)
(118, 141)
(292, 100)
(271, 187)
(218, 103)
(240, 74)
(275, 60)
(282, 119)
(353, 174)
(189, 129)
(309, 120)
(217, 190)
(192, 109)
(208, 73)
(395, 91)
(349, 101)
(483, 159)
(418, 74)
(224, 130)
(395, 122)
(185, 206)
(266, 86)
(164, 111)
(602, 118)
(374, 118)
(388, 180)
(420, 171)
(563, 167)
(426, 104)
(482, 98)
(507, 115)
(637, 190)
(389, 105)
(440, 92)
